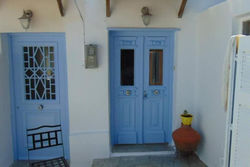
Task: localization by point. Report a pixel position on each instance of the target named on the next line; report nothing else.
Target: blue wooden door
(158, 78)
(141, 72)
(40, 90)
(127, 89)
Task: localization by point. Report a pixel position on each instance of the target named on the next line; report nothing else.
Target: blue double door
(141, 72)
(39, 79)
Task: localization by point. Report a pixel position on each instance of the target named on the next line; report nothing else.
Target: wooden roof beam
(60, 6)
(108, 11)
(182, 8)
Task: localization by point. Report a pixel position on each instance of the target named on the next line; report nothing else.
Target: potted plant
(186, 139)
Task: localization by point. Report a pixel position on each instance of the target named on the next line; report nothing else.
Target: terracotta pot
(186, 139)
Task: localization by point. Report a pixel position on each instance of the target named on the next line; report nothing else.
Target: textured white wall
(6, 154)
(214, 32)
(215, 26)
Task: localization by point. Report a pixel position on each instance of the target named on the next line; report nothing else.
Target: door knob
(145, 94)
(40, 107)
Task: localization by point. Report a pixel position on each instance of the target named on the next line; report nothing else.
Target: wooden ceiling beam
(182, 8)
(108, 11)
(60, 6)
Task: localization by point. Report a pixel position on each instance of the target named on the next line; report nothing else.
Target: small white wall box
(91, 56)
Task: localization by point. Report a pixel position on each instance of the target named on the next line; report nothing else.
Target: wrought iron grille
(45, 139)
(39, 69)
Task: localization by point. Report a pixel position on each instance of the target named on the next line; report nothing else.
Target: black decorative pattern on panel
(39, 70)
(44, 137)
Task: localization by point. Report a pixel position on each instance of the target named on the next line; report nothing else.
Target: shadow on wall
(198, 127)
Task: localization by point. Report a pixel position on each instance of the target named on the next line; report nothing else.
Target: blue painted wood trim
(64, 82)
(111, 107)
(144, 29)
(12, 95)
(35, 35)
(172, 45)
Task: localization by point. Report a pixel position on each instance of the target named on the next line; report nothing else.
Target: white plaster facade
(198, 78)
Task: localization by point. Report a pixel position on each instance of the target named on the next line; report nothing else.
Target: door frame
(171, 32)
(64, 85)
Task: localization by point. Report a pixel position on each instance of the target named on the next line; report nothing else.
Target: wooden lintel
(182, 8)
(60, 6)
(108, 12)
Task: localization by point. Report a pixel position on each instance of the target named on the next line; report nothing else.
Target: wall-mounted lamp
(25, 19)
(146, 15)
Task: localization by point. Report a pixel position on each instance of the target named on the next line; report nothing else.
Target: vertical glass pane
(127, 67)
(155, 67)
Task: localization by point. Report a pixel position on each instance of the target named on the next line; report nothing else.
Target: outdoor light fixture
(145, 15)
(25, 19)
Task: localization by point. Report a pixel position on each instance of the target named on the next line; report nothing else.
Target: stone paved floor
(22, 164)
(141, 161)
(150, 161)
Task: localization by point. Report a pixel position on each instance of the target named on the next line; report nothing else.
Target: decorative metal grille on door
(39, 69)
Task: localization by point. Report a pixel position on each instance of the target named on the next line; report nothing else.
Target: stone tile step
(142, 148)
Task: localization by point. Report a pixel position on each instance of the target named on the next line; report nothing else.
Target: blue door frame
(56, 40)
(139, 132)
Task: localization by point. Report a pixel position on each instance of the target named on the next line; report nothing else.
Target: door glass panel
(155, 67)
(127, 67)
(39, 73)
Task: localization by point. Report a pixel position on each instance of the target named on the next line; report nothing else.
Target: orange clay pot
(186, 139)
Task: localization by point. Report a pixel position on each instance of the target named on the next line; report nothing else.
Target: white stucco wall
(215, 29)
(6, 154)
(215, 26)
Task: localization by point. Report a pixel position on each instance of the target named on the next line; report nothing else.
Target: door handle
(156, 92)
(40, 107)
(145, 94)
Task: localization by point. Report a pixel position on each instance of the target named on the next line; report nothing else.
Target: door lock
(40, 107)
(145, 94)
